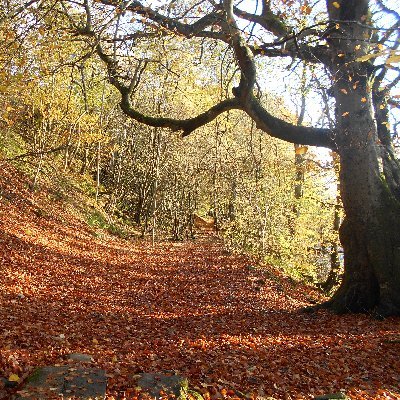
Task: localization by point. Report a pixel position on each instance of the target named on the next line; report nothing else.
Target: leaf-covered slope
(190, 307)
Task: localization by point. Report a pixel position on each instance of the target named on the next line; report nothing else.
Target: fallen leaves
(13, 378)
(188, 307)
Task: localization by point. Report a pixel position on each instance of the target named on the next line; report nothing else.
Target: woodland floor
(189, 307)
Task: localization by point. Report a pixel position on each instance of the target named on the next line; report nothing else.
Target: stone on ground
(155, 384)
(79, 383)
(78, 357)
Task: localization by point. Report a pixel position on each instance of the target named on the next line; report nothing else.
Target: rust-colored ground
(188, 307)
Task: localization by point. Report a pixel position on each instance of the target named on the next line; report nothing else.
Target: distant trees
(203, 66)
(339, 37)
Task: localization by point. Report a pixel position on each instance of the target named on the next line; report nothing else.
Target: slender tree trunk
(98, 170)
(139, 207)
(333, 276)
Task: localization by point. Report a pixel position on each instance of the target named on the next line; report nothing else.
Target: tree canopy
(347, 50)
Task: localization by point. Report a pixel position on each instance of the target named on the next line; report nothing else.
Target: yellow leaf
(393, 59)
(306, 9)
(13, 378)
(345, 114)
(95, 341)
(367, 57)
(114, 359)
(336, 4)
(382, 107)
(301, 150)
(363, 100)
(358, 47)
(343, 91)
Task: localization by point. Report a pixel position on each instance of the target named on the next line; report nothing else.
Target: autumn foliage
(233, 328)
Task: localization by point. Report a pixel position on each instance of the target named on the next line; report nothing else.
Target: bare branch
(38, 153)
(18, 10)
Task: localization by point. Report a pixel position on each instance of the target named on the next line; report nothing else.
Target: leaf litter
(233, 330)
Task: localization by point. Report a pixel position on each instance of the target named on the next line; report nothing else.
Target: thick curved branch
(268, 20)
(173, 25)
(281, 129)
(244, 97)
(288, 40)
(264, 120)
(243, 53)
(187, 126)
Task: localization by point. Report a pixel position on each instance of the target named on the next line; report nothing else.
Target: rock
(8, 384)
(332, 396)
(155, 383)
(78, 357)
(49, 382)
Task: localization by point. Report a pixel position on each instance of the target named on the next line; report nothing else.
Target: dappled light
(189, 307)
(199, 200)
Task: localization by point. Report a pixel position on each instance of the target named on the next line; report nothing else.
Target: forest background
(275, 200)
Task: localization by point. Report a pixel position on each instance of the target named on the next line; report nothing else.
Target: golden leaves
(301, 150)
(306, 9)
(13, 378)
(394, 58)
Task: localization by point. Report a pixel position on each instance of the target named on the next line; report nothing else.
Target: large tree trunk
(370, 233)
(370, 236)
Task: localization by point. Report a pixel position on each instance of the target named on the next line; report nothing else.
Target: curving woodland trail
(232, 329)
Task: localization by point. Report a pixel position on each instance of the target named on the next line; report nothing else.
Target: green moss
(117, 230)
(195, 395)
(11, 145)
(36, 376)
(96, 219)
(184, 389)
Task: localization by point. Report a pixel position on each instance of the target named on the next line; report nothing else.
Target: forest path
(189, 307)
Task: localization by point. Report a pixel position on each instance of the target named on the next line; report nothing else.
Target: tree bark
(370, 233)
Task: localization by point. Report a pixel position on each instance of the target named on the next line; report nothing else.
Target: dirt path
(188, 307)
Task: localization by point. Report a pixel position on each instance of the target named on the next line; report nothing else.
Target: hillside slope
(231, 328)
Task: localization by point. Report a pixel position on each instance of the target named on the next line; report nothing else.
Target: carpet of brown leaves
(188, 307)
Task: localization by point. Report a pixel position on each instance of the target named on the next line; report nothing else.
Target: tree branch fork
(244, 98)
